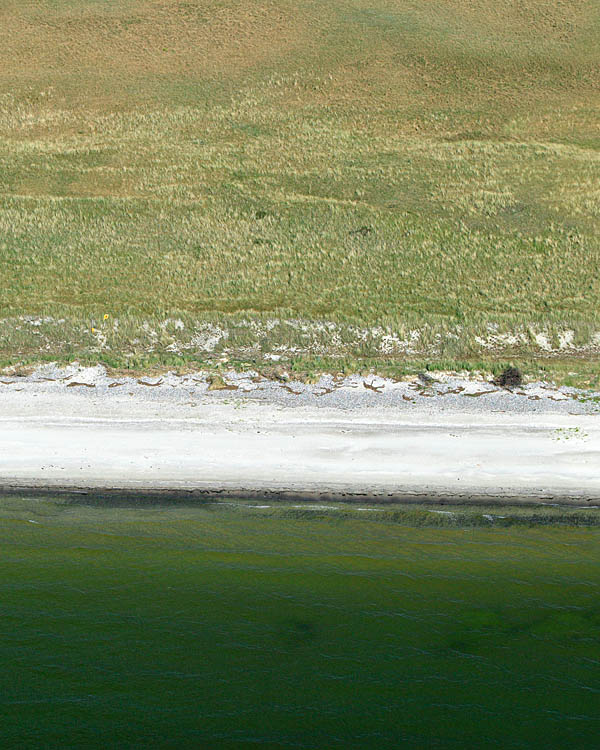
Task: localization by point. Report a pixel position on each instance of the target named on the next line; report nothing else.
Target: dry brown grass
(439, 53)
(140, 38)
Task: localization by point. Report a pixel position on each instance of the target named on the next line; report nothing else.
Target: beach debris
(275, 373)
(325, 391)
(281, 374)
(476, 394)
(567, 433)
(291, 390)
(510, 377)
(216, 383)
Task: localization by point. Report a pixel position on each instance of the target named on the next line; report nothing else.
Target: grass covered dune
(423, 177)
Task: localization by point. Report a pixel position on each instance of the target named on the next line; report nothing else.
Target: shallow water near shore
(247, 624)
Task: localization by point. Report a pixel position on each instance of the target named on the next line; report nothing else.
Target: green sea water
(231, 626)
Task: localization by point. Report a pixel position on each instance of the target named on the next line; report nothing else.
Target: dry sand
(366, 439)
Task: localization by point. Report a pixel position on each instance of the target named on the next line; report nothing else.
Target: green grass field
(375, 181)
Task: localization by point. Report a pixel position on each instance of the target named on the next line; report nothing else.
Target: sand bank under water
(356, 438)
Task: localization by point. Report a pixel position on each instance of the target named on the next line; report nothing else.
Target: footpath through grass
(369, 180)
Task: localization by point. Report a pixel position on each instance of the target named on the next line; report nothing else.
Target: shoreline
(147, 496)
(366, 440)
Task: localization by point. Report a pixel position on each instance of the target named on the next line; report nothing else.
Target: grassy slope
(210, 160)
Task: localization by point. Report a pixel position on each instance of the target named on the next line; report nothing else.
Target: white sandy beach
(75, 429)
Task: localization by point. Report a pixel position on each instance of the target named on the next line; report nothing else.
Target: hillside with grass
(357, 183)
